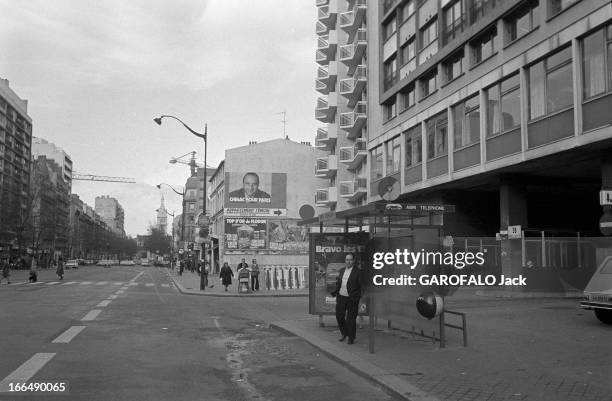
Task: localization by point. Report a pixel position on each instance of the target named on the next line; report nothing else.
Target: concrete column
(482, 98)
(512, 211)
(450, 140)
(424, 149)
(577, 82)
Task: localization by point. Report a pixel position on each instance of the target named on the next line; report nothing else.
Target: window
(453, 66)
(466, 122)
(429, 33)
(377, 163)
(556, 6)
(479, 9)
(503, 106)
(523, 21)
(407, 97)
(596, 60)
(406, 10)
(485, 46)
(407, 52)
(428, 83)
(550, 84)
(413, 146)
(393, 155)
(453, 20)
(192, 206)
(389, 28)
(389, 109)
(437, 128)
(390, 72)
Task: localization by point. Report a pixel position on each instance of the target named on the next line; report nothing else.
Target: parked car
(127, 263)
(81, 262)
(598, 292)
(105, 262)
(72, 264)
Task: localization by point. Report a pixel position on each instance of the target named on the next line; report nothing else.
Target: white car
(127, 263)
(598, 292)
(72, 264)
(105, 262)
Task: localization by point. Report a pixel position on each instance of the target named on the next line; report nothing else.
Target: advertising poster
(327, 254)
(245, 233)
(254, 189)
(286, 235)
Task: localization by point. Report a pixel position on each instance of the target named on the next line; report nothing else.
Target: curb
(185, 291)
(369, 371)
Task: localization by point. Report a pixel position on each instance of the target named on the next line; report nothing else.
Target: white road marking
(52, 282)
(149, 284)
(124, 288)
(133, 284)
(112, 296)
(165, 285)
(91, 315)
(102, 282)
(120, 292)
(26, 370)
(38, 282)
(70, 282)
(69, 334)
(218, 325)
(103, 304)
(86, 282)
(118, 282)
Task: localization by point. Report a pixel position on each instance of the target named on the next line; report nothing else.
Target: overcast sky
(95, 73)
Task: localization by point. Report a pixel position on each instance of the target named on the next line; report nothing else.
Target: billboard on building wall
(253, 189)
(286, 235)
(327, 254)
(245, 233)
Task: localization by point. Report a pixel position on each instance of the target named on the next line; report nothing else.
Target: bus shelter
(366, 231)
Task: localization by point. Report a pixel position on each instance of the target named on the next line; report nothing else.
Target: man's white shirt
(345, 277)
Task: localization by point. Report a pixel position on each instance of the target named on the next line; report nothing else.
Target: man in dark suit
(250, 190)
(347, 293)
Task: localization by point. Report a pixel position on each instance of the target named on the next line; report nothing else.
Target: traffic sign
(514, 232)
(203, 221)
(605, 197)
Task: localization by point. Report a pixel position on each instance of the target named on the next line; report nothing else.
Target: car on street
(598, 292)
(72, 264)
(127, 263)
(105, 262)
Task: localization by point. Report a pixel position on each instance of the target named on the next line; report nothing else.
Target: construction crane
(191, 162)
(92, 177)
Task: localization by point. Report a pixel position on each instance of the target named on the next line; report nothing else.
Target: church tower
(162, 216)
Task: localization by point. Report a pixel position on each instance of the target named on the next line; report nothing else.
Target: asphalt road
(142, 340)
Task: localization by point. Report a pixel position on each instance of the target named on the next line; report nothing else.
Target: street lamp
(182, 214)
(204, 136)
(172, 247)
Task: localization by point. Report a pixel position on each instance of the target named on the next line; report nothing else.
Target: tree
(157, 241)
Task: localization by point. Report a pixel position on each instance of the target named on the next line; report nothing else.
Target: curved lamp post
(204, 136)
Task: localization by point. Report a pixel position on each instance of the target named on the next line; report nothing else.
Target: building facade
(501, 108)
(257, 196)
(15, 163)
(41, 147)
(193, 204)
(111, 212)
(342, 105)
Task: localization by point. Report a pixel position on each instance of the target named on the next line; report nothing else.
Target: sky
(96, 73)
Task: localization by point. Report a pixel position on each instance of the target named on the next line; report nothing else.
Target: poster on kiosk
(327, 254)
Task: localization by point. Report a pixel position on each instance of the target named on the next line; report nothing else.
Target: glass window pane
(510, 83)
(609, 65)
(493, 112)
(537, 104)
(472, 125)
(458, 114)
(559, 86)
(558, 58)
(593, 64)
(408, 151)
(511, 110)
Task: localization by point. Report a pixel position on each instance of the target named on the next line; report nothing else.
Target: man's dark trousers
(346, 315)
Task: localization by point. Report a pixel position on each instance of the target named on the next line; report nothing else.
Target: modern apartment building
(15, 161)
(111, 212)
(41, 147)
(342, 105)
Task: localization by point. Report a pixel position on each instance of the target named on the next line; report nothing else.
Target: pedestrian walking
(243, 276)
(347, 293)
(226, 275)
(6, 271)
(60, 268)
(254, 276)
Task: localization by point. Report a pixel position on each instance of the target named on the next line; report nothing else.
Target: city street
(149, 342)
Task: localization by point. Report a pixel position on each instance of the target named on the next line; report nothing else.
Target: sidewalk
(519, 349)
(189, 283)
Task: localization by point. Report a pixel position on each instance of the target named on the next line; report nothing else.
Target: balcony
(326, 78)
(352, 54)
(328, 14)
(326, 167)
(321, 28)
(353, 190)
(326, 108)
(326, 137)
(354, 155)
(326, 45)
(352, 88)
(351, 21)
(320, 3)
(352, 122)
(326, 196)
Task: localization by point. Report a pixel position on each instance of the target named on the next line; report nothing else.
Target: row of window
(549, 89)
(517, 24)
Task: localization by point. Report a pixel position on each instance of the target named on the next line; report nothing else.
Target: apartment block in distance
(502, 108)
(342, 104)
(15, 160)
(111, 212)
